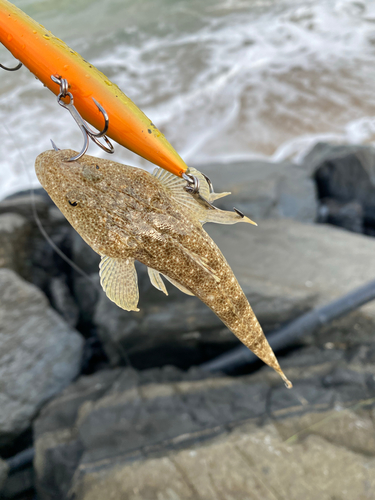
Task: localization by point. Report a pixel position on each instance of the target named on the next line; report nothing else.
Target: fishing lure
(126, 214)
(73, 79)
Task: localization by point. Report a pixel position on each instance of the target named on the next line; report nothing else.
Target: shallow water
(223, 80)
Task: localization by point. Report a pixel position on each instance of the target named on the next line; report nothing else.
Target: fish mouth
(49, 168)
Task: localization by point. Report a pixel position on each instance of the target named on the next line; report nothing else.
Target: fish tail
(258, 344)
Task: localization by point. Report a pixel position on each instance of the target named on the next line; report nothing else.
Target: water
(224, 80)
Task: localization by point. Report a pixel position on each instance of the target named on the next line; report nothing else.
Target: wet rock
(63, 301)
(3, 473)
(22, 204)
(349, 216)
(86, 295)
(263, 189)
(345, 173)
(21, 484)
(15, 232)
(165, 433)
(39, 353)
(84, 256)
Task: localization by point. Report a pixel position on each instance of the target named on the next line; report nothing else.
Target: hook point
(54, 146)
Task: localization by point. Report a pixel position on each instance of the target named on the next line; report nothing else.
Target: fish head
(87, 192)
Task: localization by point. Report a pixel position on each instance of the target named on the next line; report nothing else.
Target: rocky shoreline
(114, 403)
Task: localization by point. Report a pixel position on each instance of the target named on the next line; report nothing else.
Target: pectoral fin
(176, 186)
(118, 278)
(156, 280)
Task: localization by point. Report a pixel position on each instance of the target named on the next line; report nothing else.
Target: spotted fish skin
(126, 214)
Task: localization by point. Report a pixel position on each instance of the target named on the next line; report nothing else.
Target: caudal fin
(256, 341)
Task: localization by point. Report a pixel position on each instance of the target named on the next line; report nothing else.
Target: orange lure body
(45, 55)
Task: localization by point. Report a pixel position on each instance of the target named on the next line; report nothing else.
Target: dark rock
(62, 300)
(19, 485)
(94, 357)
(86, 295)
(84, 256)
(22, 204)
(39, 353)
(3, 473)
(346, 215)
(345, 173)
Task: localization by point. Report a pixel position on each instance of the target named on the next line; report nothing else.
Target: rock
(15, 232)
(285, 268)
(39, 353)
(3, 473)
(263, 189)
(249, 464)
(86, 295)
(63, 301)
(18, 484)
(22, 204)
(170, 434)
(320, 260)
(346, 215)
(84, 256)
(345, 173)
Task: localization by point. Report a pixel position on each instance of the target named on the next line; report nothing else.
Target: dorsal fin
(176, 187)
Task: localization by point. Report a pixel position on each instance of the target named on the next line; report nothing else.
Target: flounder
(126, 214)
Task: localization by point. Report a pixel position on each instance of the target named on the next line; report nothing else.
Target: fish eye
(75, 198)
(97, 167)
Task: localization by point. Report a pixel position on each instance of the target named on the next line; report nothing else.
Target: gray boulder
(285, 268)
(15, 232)
(263, 190)
(169, 434)
(39, 353)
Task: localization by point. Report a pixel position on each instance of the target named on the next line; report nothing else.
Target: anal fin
(156, 280)
(118, 279)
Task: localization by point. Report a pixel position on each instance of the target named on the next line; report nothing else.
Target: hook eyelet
(87, 132)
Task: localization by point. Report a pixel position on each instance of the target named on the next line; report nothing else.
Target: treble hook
(87, 132)
(11, 69)
(192, 187)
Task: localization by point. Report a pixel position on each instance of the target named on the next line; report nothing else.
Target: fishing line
(53, 244)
